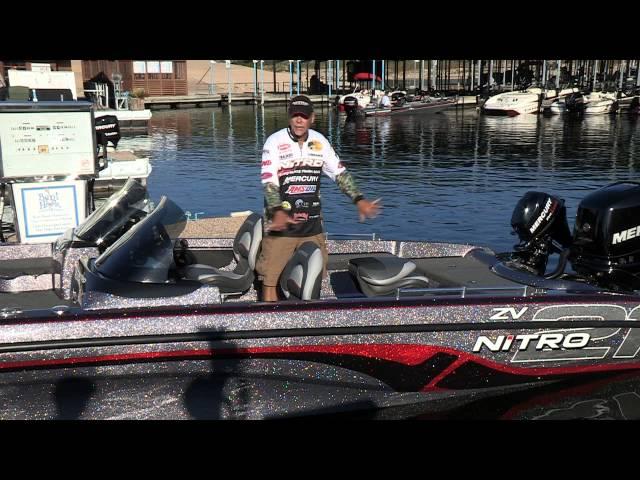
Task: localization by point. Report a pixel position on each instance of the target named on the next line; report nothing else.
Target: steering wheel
(181, 254)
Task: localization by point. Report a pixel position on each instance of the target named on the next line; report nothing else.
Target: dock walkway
(202, 100)
(191, 101)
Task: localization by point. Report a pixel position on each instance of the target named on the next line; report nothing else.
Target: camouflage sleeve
(347, 185)
(272, 197)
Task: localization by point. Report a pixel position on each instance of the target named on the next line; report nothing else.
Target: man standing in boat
(293, 160)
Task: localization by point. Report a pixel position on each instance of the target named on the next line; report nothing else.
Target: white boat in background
(119, 167)
(514, 103)
(600, 103)
(360, 98)
(558, 104)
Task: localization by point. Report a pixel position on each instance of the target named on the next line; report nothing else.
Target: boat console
(49, 267)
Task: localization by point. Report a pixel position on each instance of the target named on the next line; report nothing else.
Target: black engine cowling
(540, 221)
(107, 130)
(606, 240)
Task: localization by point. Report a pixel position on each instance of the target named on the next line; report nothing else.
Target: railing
(461, 292)
(206, 88)
(353, 236)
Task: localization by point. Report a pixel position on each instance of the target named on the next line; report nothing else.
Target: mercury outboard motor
(350, 105)
(107, 130)
(606, 239)
(540, 221)
(575, 102)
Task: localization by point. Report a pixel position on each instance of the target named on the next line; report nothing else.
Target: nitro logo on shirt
(265, 151)
(301, 189)
(315, 145)
(266, 163)
(284, 147)
(302, 162)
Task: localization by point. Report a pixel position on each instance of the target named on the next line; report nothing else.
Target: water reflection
(451, 176)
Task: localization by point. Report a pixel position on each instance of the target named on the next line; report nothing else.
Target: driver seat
(246, 246)
(301, 278)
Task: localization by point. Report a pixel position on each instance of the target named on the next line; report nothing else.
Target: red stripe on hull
(406, 354)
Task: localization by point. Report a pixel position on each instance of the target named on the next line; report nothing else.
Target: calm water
(448, 177)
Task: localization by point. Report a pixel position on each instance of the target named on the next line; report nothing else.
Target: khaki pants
(277, 251)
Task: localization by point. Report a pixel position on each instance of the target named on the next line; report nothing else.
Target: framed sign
(39, 142)
(45, 210)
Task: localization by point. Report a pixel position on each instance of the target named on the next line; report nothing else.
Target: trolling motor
(540, 221)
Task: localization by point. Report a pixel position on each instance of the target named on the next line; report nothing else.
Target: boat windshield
(120, 210)
(145, 252)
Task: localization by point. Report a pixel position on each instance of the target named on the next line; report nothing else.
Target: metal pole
(382, 74)
(504, 74)
(255, 79)
(228, 65)
(513, 73)
(544, 75)
(638, 68)
(373, 79)
(330, 79)
(473, 74)
(290, 78)
(490, 73)
(595, 75)
(621, 70)
(479, 73)
(297, 77)
(261, 82)
(558, 70)
(212, 86)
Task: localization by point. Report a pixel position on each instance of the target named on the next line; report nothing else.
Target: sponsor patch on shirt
(302, 162)
(300, 179)
(264, 150)
(315, 145)
(286, 205)
(300, 189)
(266, 163)
(284, 147)
(266, 175)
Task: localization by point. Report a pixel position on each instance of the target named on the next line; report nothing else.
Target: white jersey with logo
(296, 171)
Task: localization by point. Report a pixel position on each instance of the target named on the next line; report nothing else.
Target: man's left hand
(367, 209)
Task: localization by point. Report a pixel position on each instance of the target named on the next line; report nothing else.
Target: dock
(219, 100)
